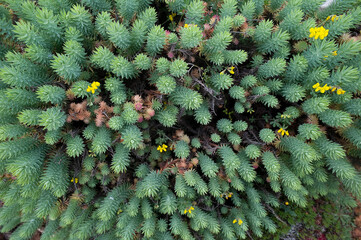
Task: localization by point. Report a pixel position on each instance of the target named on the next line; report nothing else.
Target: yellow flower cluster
(238, 220)
(250, 111)
(333, 18)
(286, 203)
(318, 32)
(188, 210)
(283, 132)
(74, 180)
(229, 195)
(171, 17)
(325, 88)
(339, 91)
(91, 153)
(229, 69)
(94, 86)
(162, 148)
(188, 25)
(334, 53)
(285, 116)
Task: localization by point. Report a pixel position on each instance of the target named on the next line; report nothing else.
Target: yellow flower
(250, 111)
(188, 210)
(287, 203)
(186, 25)
(321, 89)
(283, 132)
(340, 91)
(285, 116)
(312, 32)
(334, 53)
(325, 56)
(74, 180)
(325, 88)
(237, 220)
(171, 17)
(119, 211)
(162, 148)
(316, 85)
(332, 17)
(230, 70)
(221, 73)
(333, 89)
(318, 32)
(94, 86)
(90, 89)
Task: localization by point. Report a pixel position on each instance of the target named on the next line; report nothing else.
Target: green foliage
(202, 115)
(168, 116)
(178, 68)
(267, 135)
(309, 131)
(181, 149)
(52, 94)
(224, 125)
(335, 118)
(121, 67)
(252, 151)
(156, 40)
(272, 68)
(186, 120)
(191, 36)
(293, 92)
(132, 137)
(186, 98)
(142, 62)
(52, 119)
(221, 81)
(118, 34)
(75, 146)
(215, 137)
(194, 12)
(316, 105)
(101, 141)
(66, 67)
(166, 84)
(102, 57)
(240, 125)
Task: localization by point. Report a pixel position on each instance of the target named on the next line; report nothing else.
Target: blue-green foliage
(178, 119)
